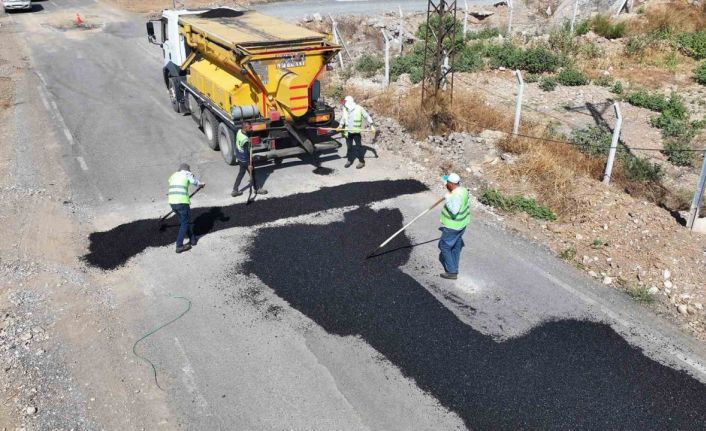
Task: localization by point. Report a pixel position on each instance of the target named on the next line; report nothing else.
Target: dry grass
(677, 15)
(550, 170)
(469, 112)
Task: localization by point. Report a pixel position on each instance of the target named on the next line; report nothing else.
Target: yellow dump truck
(226, 67)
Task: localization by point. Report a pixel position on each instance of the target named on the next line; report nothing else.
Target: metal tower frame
(436, 71)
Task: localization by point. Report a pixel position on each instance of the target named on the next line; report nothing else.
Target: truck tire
(210, 129)
(174, 95)
(194, 108)
(226, 143)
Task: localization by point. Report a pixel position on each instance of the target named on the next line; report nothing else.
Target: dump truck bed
(249, 29)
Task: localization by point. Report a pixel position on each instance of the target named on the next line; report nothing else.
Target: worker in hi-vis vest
(243, 153)
(180, 202)
(455, 216)
(352, 126)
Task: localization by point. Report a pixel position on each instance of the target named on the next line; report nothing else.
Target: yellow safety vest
(357, 120)
(463, 217)
(178, 189)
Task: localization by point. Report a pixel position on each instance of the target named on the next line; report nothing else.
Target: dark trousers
(243, 168)
(450, 244)
(183, 211)
(355, 148)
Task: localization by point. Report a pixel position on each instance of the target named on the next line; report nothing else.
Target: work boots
(236, 193)
(260, 192)
(449, 276)
(348, 164)
(360, 165)
(183, 248)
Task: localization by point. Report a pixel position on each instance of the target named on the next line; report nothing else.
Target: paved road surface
(289, 327)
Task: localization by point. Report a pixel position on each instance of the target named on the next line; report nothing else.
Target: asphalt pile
(113, 248)
(561, 375)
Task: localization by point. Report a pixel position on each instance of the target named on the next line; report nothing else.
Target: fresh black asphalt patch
(561, 375)
(112, 249)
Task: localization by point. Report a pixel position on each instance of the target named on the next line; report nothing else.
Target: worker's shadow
(205, 222)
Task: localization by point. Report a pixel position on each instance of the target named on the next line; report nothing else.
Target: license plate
(292, 60)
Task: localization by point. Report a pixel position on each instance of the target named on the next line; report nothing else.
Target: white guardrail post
(386, 80)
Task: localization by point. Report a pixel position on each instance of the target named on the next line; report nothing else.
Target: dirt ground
(47, 300)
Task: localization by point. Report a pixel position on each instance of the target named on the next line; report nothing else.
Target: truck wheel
(210, 129)
(225, 143)
(194, 108)
(176, 106)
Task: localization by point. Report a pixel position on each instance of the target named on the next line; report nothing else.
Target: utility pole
(613, 144)
(696, 201)
(434, 73)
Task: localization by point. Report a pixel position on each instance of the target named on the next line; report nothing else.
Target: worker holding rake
(243, 152)
(455, 216)
(352, 126)
(180, 201)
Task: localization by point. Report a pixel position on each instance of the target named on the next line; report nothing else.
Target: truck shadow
(561, 375)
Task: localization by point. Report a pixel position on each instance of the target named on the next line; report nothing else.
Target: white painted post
(386, 80)
(573, 15)
(613, 144)
(696, 201)
(401, 28)
(465, 19)
(518, 105)
(509, 19)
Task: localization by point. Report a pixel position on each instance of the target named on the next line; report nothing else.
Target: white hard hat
(348, 99)
(451, 178)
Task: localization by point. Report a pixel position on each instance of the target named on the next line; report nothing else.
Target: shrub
(539, 60)
(604, 81)
(561, 40)
(449, 25)
(568, 254)
(592, 139)
(548, 83)
(605, 27)
(591, 50)
(643, 99)
(617, 88)
(516, 203)
(640, 169)
(335, 92)
(411, 63)
(469, 59)
(486, 33)
(700, 74)
(505, 55)
(369, 64)
(641, 294)
(673, 127)
(693, 44)
(678, 152)
(532, 77)
(571, 78)
(582, 27)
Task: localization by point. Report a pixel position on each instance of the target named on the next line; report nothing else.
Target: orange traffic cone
(78, 20)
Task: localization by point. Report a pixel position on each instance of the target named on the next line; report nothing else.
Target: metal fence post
(518, 105)
(696, 202)
(336, 40)
(573, 15)
(401, 28)
(386, 80)
(509, 19)
(613, 144)
(465, 19)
